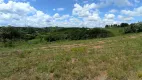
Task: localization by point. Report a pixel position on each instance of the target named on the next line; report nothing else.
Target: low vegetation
(115, 58)
(9, 35)
(128, 28)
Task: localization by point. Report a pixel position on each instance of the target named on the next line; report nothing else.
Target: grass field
(115, 58)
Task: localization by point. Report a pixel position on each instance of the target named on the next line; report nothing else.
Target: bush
(99, 33)
(51, 34)
(28, 37)
(133, 28)
(9, 33)
(34, 41)
(8, 43)
(78, 34)
(55, 36)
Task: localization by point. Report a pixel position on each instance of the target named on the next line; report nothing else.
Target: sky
(69, 13)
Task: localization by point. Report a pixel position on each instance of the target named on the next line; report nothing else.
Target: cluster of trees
(78, 34)
(8, 35)
(11, 34)
(23, 33)
(16, 33)
(133, 28)
(128, 28)
(122, 25)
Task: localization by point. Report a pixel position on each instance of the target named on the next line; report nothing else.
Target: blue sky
(69, 13)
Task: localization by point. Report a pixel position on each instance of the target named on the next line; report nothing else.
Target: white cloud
(94, 17)
(84, 11)
(85, 1)
(17, 8)
(21, 14)
(54, 9)
(113, 11)
(137, 1)
(56, 15)
(135, 12)
(1, 1)
(109, 16)
(74, 20)
(65, 16)
(39, 19)
(122, 3)
(124, 18)
(88, 15)
(79, 11)
(60, 9)
(21, 0)
(119, 3)
(109, 19)
(106, 3)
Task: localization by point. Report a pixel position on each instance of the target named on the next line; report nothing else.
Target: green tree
(124, 25)
(9, 34)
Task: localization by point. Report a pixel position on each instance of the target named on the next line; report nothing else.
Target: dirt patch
(98, 47)
(101, 42)
(73, 60)
(51, 47)
(132, 37)
(43, 47)
(17, 52)
(51, 76)
(102, 76)
(35, 48)
(74, 45)
(68, 47)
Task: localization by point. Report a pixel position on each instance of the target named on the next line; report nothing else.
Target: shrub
(28, 37)
(8, 43)
(133, 28)
(78, 34)
(99, 33)
(55, 36)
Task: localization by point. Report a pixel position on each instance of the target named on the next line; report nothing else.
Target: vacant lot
(116, 58)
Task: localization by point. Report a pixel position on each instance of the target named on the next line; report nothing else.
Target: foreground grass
(116, 58)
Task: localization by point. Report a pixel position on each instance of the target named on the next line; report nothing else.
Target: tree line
(128, 28)
(10, 34)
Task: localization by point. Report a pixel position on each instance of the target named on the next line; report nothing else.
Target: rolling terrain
(114, 58)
